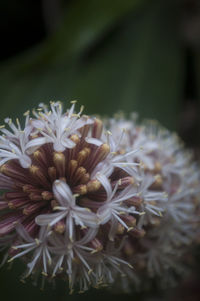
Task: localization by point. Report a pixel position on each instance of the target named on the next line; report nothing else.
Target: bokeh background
(110, 55)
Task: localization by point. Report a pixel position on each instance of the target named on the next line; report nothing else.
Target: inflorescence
(96, 202)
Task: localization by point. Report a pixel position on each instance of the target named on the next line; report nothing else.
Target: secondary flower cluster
(87, 201)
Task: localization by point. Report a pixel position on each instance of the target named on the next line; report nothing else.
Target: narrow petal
(63, 193)
(49, 219)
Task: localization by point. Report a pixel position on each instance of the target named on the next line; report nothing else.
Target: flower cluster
(87, 201)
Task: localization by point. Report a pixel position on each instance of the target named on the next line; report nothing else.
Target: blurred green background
(130, 55)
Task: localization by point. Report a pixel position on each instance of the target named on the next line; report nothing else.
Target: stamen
(47, 195)
(39, 156)
(93, 185)
(96, 245)
(80, 189)
(85, 178)
(75, 138)
(97, 128)
(59, 161)
(52, 173)
(158, 182)
(123, 182)
(73, 164)
(120, 229)
(137, 233)
(17, 203)
(134, 201)
(60, 227)
(38, 175)
(129, 220)
(83, 154)
(54, 204)
(30, 209)
(128, 249)
(103, 151)
(157, 167)
(80, 172)
(14, 173)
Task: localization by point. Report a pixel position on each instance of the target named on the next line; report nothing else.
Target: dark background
(130, 55)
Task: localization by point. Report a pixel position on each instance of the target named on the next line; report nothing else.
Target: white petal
(86, 217)
(67, 143)
(106, 184)
(35, 143)
(104, 214)
(49, 219)
(63, 193)
(25, 161)
(94, 141)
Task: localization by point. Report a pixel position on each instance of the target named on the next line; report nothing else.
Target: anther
(96, 245)
(157, 183)
(35, 197)
(85, 178)
(80, 189)
(59, 161)
(38, 175)
(83, 154)
(72, 167)
(39, 156)
(13, 172)
(47, 195)
(59, 227)
(52, 173)
(104, 150)
(128, 249)
(120, 229)
(37, 241)
(30, 209)
(100, 154)
(54, 204)
(157, 167)
(123, 182)
(44, 274)
(93, 185)
(138, 233)
(80, 172)
(26, 113)
(17, 203)
(97, 128)
(75, 138)
(134, 201)
(155, 221)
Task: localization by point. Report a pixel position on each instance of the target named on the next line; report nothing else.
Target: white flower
(38, 247)
(66, 254)
(116, 160)
(114, 207)
(17, 143)
(57, 127)
(153, 202)
(109, 265)
(68, 210)
(82, 202)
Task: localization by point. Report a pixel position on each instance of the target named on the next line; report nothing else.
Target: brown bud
(59, 161)
(60, 227)
(93, 185)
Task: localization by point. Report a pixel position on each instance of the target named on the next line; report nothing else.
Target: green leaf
(136, 63)
(197, 71)
(45, 72)
(140, 69)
